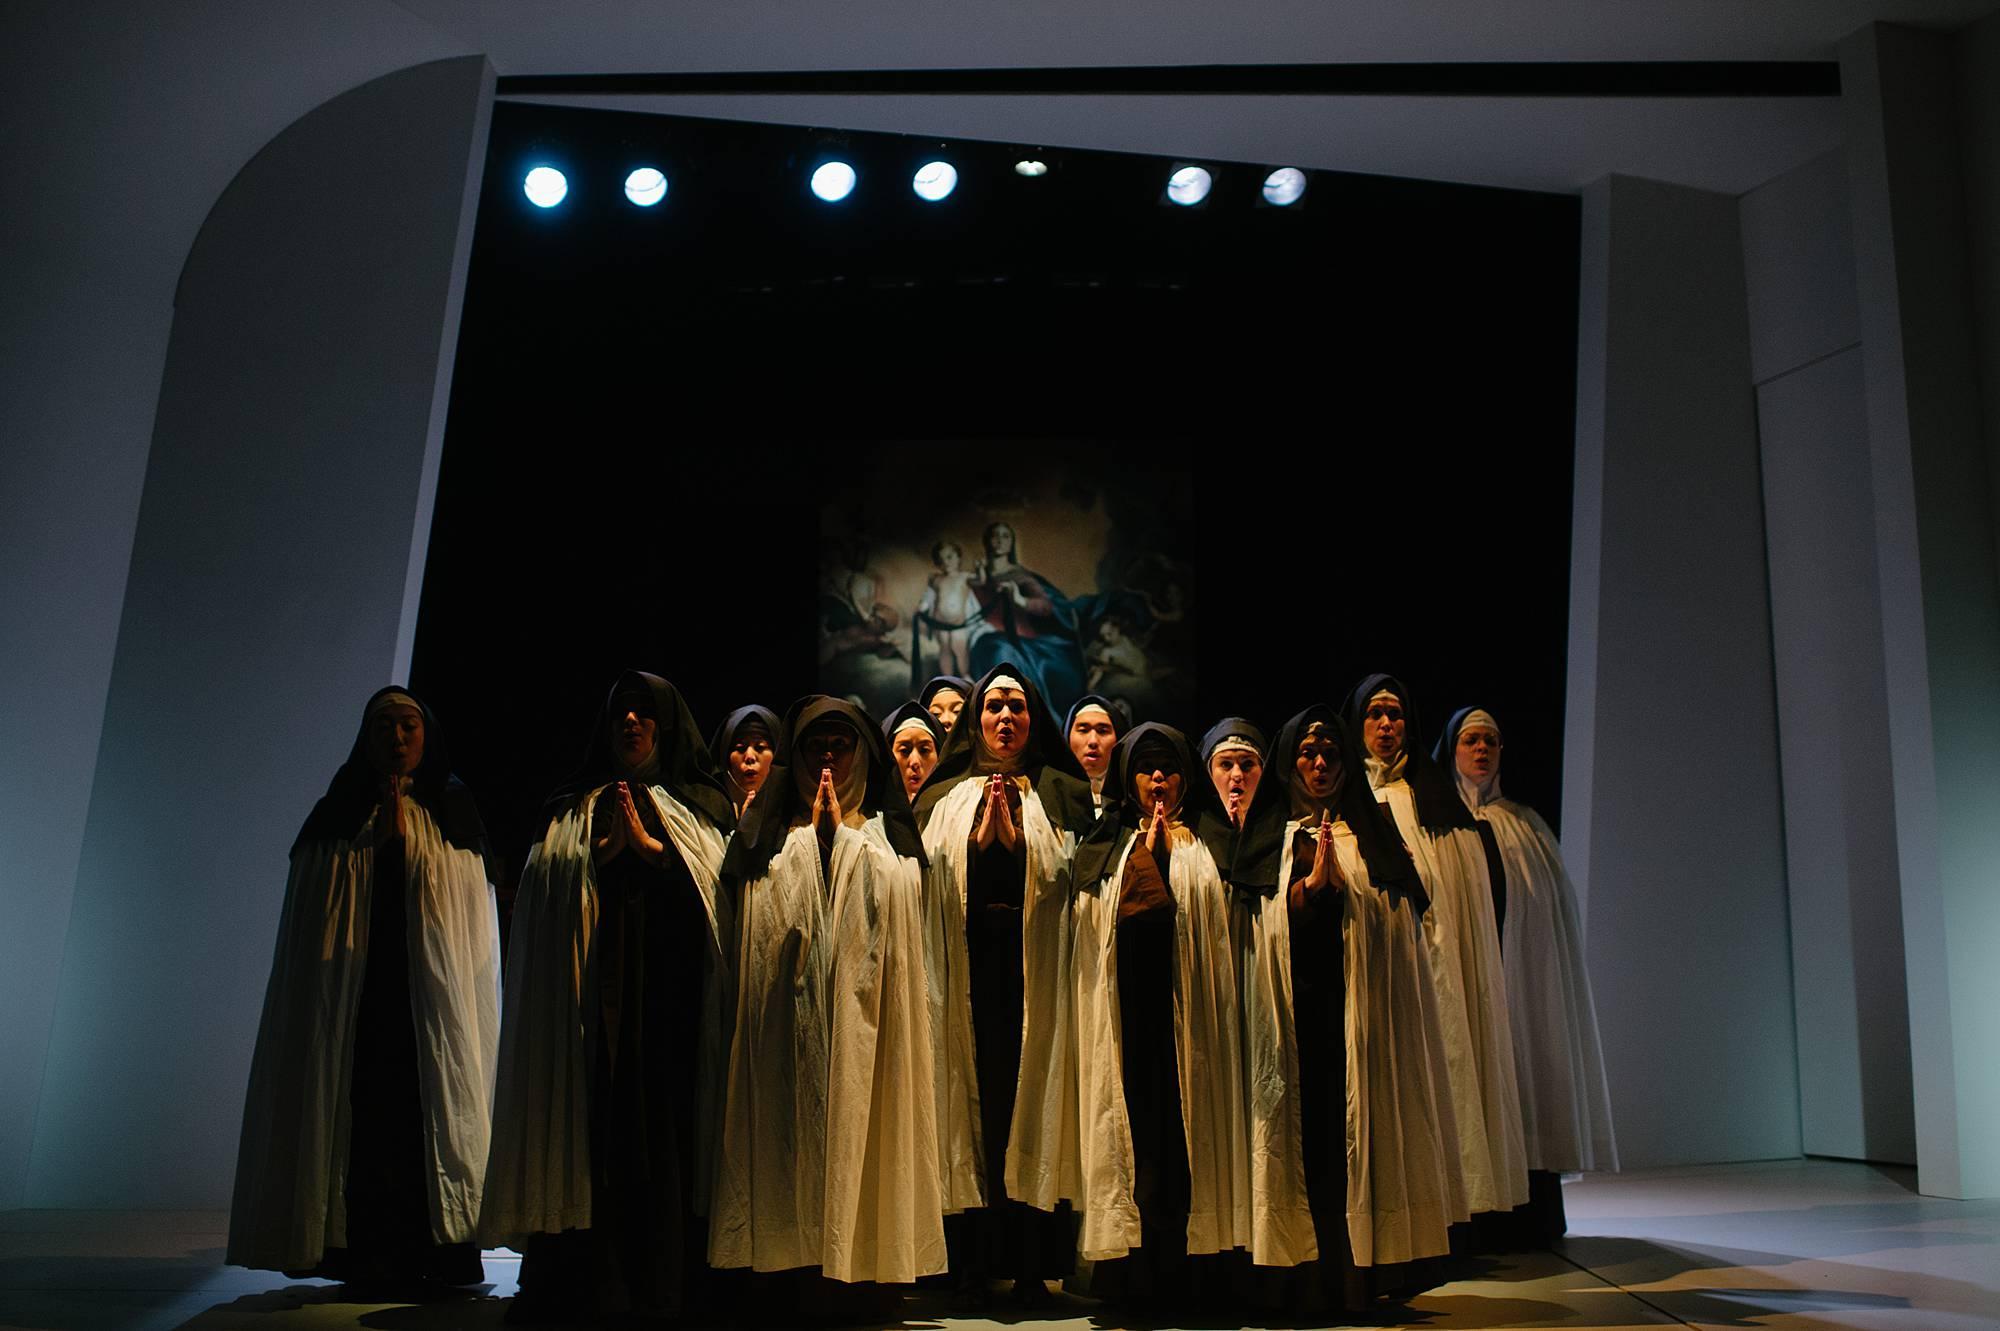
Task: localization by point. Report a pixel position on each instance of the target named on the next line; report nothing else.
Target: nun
(1000, 817)
(913, 736)
(1091, 729)
(364, 1140)
(1352, 1145)
(615, 1031)
(1565, 1104)
(744, 746)
(1463, 934)
(944, 697)
(1233, 754)
(829, 1130)
(1159, 1060)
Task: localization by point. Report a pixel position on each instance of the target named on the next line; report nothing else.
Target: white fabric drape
(1565, 1104)
(770, 1185)
(1281, 1226)
(1043, 1165)
(1400, 1134)
(884, 1212)
(1471, 991)
(291, 1171)
(829, 1141)
(538, 1174)
(1208, 1055)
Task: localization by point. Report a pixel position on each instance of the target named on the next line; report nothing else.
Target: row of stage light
(833, 181)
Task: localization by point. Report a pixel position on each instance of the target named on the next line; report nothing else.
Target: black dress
(389, 1238)
(1006, 1239)
(645, 1250)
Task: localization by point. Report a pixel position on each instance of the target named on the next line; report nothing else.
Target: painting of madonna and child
(1063, 558)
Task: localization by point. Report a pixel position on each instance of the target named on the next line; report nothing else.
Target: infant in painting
(951, 606)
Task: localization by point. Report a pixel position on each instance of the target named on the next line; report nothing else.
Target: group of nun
(819, 1006)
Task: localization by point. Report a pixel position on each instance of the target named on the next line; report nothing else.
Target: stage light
(545, 187)
(934, 181)
(833, 181)
(646, 186)
(1028, 166)
(1285, 186)
(1189, 186)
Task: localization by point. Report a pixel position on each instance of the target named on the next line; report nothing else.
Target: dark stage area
(1370, 395)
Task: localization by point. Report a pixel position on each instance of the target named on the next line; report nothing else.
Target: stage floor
(1791, 1244)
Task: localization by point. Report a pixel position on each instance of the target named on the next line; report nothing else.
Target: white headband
(394, 698)
(1090, 707)
(922, 723)
(1380, 694)
(1479, 719)
(1005, 682)
(1237, 742)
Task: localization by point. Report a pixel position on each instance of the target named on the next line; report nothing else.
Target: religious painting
(1071, 560)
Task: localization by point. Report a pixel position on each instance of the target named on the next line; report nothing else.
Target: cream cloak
(1281, 1225)
(829, 1137)
(538, 1176)
(1043, 1159)
(1208, 1053)
(1399, 1121)
(1565, 1105)
(1471, 994)
(291, 1170)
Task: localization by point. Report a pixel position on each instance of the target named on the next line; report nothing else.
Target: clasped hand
(627, 832)
(826, 812)
(996, 820)
(1326, 868)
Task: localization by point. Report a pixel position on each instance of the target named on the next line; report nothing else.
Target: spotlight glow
(935, 181)
(1285, 186)
(1189, 186)
(646, 186)
(833, 181)
(1030, 167)
(545, 187)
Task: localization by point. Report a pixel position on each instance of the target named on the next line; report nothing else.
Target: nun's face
(634, 731)
(1161, 783)
(1235, 773)
(1478, 755)
(749, 760)
(1090, 739)
(916, 755)
(828, 744)
(1003, 722)
(1382, 728)
(946, 704)
(396, 741)
(1319, 767)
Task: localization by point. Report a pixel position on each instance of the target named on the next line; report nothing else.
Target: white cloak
(829, 1107)
(1399, 1125)
(1281, 1225)
(291, 1170)
(1043, 1163)
(884, 1214)
(770, 1183)
(1565, 1104)
(1208, 1056)
(538, 1174)
(1471, 993)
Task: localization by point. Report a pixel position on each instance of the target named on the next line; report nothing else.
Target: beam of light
(646, 186)
(935, 181)
(545, 187)
(1189, 186)
(1285, 186)
(833, 181)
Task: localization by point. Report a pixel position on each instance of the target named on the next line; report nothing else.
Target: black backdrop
(1374, 390)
